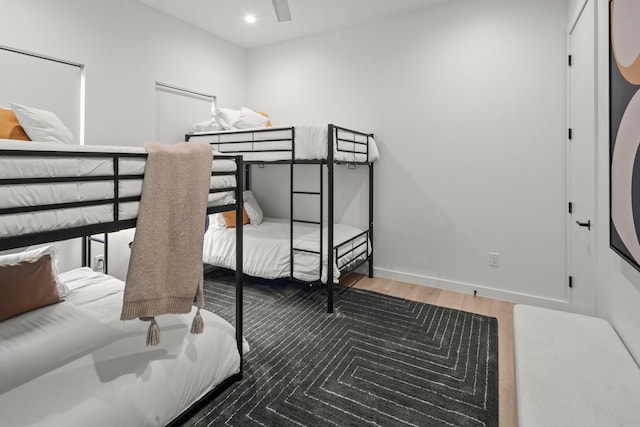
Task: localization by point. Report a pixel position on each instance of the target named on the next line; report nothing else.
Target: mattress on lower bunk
(311, 142)
(76, 363)
(266, 249)
(41, 193)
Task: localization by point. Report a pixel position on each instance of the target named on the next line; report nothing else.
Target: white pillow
(254, 212)
(226, 117)
(34, 252)
(217, 221)
(42, 125)
(249, 119)
(207, 125)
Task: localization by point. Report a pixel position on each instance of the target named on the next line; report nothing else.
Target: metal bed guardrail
(355, 256)
(116, 223)
(254, 140)
(339, 138)
(347, 259)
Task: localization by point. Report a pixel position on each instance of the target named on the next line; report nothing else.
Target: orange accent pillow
(27, 285)
(10, 126)
(265, 115)
(230, 218)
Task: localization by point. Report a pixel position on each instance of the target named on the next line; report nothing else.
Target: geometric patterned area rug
(378, 360)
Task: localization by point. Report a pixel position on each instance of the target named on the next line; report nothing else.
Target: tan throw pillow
(10, 126)
(230, 218)
(27, 285)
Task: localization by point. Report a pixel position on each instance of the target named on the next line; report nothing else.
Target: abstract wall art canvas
(624, 131)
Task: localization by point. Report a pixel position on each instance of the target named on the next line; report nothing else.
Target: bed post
(291, 219)
(320, 261)
(247, 176)
(330, 144)
(106, 253)
(371, 217)
(85, 248)
(239, 254)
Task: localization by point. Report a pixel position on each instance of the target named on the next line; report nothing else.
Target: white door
(581, 162)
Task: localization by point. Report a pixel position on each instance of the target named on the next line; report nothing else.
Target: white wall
(126, 47)
(573, 4)
(618, 298)
(45, 83)
(467, 102)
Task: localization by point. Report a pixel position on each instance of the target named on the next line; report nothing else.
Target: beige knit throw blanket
(165, 268)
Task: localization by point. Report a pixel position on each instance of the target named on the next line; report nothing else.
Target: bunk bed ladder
(294, 220)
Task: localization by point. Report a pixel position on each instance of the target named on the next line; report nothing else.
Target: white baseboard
(467, 288)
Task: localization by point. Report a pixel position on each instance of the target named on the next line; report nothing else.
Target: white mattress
(572, 370)
(76, 364)
(310, 143)
(53, 193)
(266, 249)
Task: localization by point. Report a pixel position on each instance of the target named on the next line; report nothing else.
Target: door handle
(584, 224)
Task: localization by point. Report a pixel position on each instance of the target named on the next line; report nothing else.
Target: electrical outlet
(98, 263)
(494, 259)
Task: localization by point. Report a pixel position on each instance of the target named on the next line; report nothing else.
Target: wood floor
(501, 310)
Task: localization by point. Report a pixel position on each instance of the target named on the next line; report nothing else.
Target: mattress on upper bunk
(311, 142)
(266, 249)
(76, 363)
(43, 167)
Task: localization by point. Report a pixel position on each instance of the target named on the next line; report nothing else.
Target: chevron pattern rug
(378, 360)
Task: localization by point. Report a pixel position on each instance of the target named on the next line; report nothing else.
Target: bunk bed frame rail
(10, 242)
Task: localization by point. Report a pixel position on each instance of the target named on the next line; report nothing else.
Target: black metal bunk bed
(115, 223)
(252, 141)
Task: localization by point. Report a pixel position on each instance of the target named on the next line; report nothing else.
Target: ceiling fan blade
(281, 8)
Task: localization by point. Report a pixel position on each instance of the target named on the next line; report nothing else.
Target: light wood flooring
(501, 310)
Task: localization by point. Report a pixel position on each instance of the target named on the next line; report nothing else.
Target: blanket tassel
(153, 334)
(198, 324)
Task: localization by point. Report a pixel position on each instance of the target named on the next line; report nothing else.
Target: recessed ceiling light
(250, 18)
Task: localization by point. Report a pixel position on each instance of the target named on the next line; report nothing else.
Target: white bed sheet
(43, 167)
(310, 142)
(266, 249)
(76, 364)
